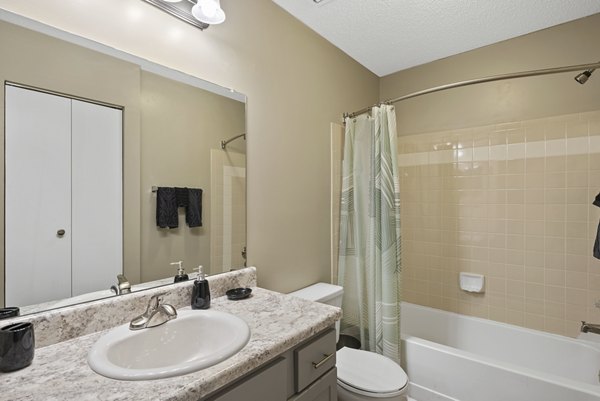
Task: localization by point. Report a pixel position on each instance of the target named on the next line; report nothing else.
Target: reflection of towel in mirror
(597, 244)
(182, 197)
(193, 210)
(166, 208)
(168, 200)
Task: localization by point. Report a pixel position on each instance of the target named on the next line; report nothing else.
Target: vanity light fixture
(209, 11)
(200, 13)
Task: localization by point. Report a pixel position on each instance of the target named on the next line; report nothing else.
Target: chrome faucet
(589, 327)
(123, 287)
(155, 315)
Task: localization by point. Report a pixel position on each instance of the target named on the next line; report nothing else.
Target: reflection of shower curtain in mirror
(369, 253)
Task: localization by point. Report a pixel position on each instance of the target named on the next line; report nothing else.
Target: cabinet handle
(317, 365)
(60, 232)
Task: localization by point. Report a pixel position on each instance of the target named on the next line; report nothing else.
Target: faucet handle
(123, 286)
(154, 301)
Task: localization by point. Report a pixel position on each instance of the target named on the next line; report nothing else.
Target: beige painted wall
(78, 72)
(336, 159)
(296, 83)
(515, 100)
(180, 125)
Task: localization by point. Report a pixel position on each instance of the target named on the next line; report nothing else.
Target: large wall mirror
(95, 140)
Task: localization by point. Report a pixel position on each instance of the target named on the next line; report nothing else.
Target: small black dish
(238, 293)
(9, 311)
(17, 346)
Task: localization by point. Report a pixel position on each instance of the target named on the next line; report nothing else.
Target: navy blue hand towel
(182, 195)
(597, 244)
(193, 211)
(166, 208)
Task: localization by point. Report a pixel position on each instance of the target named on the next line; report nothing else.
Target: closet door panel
(37, 197)
(97, 222)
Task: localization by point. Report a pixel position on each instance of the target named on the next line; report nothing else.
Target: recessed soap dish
(471, 282)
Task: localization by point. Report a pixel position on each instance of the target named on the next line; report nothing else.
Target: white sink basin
(195, 340)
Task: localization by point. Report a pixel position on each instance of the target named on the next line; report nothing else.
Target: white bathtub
(448, 356)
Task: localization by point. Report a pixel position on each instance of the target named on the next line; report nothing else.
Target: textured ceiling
(391, 35)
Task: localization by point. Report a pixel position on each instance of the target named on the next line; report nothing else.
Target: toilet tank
(329, 294)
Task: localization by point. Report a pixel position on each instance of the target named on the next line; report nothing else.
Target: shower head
(584, 76)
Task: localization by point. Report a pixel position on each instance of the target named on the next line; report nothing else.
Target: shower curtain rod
(225, 142)
(512, 75)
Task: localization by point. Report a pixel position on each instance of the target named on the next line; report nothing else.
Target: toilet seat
(369, 374)
(369, 394)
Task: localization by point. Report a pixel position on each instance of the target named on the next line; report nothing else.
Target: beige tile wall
(510, 201)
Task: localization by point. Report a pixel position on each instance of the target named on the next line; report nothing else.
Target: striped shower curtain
(369, 253)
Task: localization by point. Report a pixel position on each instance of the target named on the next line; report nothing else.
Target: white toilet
(362, 375)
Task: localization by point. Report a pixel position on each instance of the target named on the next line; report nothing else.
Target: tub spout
(590, 328)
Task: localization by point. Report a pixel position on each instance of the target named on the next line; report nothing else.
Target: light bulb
(209, 8)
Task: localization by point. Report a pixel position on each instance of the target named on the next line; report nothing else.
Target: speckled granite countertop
(63, 324)
(277, 322)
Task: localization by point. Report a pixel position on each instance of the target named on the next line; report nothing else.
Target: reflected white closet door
(97, 224)
(37, 196)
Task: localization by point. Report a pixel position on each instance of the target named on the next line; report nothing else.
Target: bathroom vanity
(290, 354)
(304, 373)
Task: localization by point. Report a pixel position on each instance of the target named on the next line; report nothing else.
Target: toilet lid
(369, 371)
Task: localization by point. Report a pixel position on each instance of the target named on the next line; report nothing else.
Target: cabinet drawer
(314, 359)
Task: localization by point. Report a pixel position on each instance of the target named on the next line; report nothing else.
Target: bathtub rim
(587, 388)
(585, 343)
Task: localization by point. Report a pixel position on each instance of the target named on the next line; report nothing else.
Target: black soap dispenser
(181, 276)
(200, 292)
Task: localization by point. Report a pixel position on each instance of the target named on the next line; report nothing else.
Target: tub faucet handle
(590, 327)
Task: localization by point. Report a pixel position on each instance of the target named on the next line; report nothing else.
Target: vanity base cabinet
(304, 373)
(268, 384)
